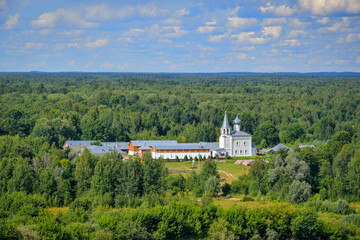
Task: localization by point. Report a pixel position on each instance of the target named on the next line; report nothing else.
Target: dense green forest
(50, 193)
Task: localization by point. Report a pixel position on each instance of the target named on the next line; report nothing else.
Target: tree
(84, 170)
(267, 131)
(299, 191)
(47, 182)
(293, 132)
(23, 179)
(154, 175)
(212, 186)
(209, 169)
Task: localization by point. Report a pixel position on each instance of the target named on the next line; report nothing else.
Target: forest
(47, 192)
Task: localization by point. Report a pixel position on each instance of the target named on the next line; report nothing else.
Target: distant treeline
(189, 107)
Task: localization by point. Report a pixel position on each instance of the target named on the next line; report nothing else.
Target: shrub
(226, 189)
(342, 207)
(212, 185)
(305, 226)
(352, 219)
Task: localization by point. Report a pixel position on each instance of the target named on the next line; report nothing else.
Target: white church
(236, 143)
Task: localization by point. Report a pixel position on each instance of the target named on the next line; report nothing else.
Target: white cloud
(135, 32)
(126, 39)
(235, 22)
(172, 32)
(107, 65)
(358, 60)
(12, 22)
(164, 41)
(97, 43)
(273, 21)
(206, 29)
(336, 27)
(291, 43)
(273, 31)
(74, 32)
(296, 33)
(296, 23)
(171, 21)
(323, 20)
(272, 52)
(218, 38)
(352, 37)
(246, 38)
(72, 63)
(325, 7)
(241, 56)
(180, 13)
(90, 64)
(46, 32)
(157, 31)
(282, 10)
(151, 11)
(234, 13)
(33, 45)
(340, 61)
(69, 16)
(211, 23)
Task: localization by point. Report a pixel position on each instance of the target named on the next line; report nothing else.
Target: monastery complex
(232, 142)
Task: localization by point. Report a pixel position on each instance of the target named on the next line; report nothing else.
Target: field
(226, 168)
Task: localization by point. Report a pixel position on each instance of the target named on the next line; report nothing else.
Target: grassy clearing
(227, 166)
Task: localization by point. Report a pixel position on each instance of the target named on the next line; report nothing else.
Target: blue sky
(180, 36)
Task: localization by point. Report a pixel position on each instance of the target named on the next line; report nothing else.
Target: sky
(180, 36)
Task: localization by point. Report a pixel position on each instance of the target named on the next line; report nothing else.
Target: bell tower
(225, 132)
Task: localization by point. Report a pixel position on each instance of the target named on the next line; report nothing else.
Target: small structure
(301, 147)
(274, 149)
(77, 146)
(136, 145)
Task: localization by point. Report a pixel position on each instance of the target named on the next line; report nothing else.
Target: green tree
(154, 175)
(294, 132)
(23, 179)
(305, 226)
(85, 170)
(209, 169)
(212, 186)
(299, 191)
(267, 131)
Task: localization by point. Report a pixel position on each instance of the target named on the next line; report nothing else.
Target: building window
(237, 143)
(245, 151)
(240, 151)
(235, 151)
(245, 143)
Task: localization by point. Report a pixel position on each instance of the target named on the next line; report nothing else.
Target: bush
(342, 207)
(226, 189)
(305, 226)
(352, 219)
(212, 185)
(221, 229)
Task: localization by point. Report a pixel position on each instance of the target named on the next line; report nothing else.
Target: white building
(236, 143)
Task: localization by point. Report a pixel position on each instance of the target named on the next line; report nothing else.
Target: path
(227, 174)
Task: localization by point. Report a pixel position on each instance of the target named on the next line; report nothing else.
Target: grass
(223, 165)
(55, 210)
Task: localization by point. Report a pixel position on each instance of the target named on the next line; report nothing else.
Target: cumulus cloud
(234, 13)
(206, 29)
(241, 56)
(296, 33)
(296, 23)
(283, 10)
(323, 20)
(273, 31)
(273, 21)
(82, 16)
(290, 43)
(33, 45)
(158, 31)
(218, 38)
(12, 22)
(336, 27)
(236, 22)
(180, 13)
(97, 43)
(246, 38)
(50, 19)
(325, 7)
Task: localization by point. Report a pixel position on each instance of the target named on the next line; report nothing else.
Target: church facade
(235, 142)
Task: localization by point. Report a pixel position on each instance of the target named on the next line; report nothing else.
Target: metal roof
(239, 133)
(279, 146)
(226, 122)
(122, 145)
(190, 146)
(102, 150)
(151, 143)
(210, 145)
(69, 143)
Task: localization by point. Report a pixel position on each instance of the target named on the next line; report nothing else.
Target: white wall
(180, 155)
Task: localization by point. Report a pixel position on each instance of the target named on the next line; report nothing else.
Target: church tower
(237, 123)
(225, 133)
